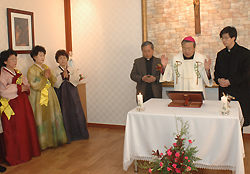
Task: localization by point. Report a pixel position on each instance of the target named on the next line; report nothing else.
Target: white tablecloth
(218, 138)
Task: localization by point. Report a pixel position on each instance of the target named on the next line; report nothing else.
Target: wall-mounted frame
(20, 30)
(144, 20)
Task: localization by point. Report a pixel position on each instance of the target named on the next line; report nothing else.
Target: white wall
(48, 25)
(106, 39)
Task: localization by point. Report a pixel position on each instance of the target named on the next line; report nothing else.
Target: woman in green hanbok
(44, 102)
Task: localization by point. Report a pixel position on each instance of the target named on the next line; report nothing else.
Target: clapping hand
(47, 73)
(65, 73)
(224, 82)
(25, 88)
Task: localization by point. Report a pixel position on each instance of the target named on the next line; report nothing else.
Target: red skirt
(19, 133)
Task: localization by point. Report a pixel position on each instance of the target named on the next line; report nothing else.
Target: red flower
(190, 141)
(169, 153)
(188, 168)
(80, 77)
(178, 170)
(174, 165)
(159, 68)
(177, 154)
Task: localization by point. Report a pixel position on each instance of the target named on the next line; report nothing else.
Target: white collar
(39, 66)
(62, 67)
(13, 73)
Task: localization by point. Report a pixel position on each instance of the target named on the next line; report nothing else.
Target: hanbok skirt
(73, 116)
(19, 136)
(49, 122)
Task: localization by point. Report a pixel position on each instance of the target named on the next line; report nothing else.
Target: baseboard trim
(110, 126)
(247, 136)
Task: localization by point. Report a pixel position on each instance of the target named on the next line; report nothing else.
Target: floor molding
(247, 136)
(110, 126)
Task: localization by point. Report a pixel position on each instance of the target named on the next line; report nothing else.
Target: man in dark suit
(232, 70)
(145, 73)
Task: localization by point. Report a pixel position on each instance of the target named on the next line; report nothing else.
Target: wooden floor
(101, 154)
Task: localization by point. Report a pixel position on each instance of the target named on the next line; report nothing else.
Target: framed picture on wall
(20, 30)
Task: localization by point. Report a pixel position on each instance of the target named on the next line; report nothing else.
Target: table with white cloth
(217, 137)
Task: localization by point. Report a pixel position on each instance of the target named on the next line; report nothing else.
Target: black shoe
(2, 169)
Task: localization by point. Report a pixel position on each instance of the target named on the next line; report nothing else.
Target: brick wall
(169, 21)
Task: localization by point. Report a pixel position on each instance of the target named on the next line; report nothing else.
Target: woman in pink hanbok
(19, 127)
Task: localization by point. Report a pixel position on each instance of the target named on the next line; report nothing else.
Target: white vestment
(188, 75)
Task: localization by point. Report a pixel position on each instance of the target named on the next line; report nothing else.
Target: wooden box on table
(191, 99)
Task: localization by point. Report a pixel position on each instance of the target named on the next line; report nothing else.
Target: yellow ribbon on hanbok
(45, 94)
(6, 108)
(19, 79)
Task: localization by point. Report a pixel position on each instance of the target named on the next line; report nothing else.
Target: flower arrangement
(159, 68)
(177, 158)
(80, 77)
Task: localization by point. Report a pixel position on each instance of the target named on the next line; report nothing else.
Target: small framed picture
(20, 30)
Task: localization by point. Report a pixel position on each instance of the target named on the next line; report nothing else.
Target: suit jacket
(139, 70)
(235, 66)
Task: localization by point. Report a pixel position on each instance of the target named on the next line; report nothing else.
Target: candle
(140, 100)
(224, 103)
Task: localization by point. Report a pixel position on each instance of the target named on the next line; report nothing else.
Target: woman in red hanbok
(19, 127)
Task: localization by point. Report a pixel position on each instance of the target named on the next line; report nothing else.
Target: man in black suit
(232, 70)
(145, 73)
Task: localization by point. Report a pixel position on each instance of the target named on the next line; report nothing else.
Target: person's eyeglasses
(187, 49)
(225, 38)
(13, 58)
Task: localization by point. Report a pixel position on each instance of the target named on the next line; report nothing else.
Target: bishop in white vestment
(189, 70)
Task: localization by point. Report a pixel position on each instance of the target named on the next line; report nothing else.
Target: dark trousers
(148, 95)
